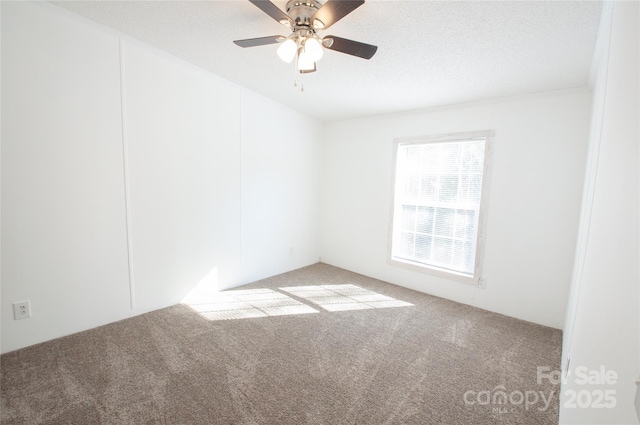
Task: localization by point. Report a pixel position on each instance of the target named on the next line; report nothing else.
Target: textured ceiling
(429, 53)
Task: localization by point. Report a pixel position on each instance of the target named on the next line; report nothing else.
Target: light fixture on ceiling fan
(305, 18)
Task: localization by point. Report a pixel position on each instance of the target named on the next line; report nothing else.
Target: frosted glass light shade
(304, 62)
(287, 50)
(313, 48)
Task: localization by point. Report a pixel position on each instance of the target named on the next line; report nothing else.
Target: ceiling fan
(305, 18)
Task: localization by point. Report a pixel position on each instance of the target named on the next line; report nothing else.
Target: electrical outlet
(21, 310)
(482, 282)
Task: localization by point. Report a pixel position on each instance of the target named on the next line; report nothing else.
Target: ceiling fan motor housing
(301, 11)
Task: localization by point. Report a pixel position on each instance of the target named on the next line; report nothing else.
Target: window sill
(435, 271)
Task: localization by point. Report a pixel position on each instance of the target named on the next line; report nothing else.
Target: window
(437, 209)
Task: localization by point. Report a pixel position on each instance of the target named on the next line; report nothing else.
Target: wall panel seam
(125, 163)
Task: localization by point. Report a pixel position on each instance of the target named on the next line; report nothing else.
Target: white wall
(535, 191)
(183, 144)
(602, 327)
(129, 177)
(280, 187)
(63, 220)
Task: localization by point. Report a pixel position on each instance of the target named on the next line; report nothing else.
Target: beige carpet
(318, 345)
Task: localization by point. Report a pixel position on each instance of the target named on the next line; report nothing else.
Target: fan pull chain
(296, 75)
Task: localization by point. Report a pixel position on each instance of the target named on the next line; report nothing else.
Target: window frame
(488, 135)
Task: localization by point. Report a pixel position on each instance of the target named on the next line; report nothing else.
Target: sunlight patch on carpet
(249, 303)
(286, 301)
(343, 297)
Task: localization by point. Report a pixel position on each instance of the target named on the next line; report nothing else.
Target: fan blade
(261, 41)
(274, 11)
(332, 11)
(350, 47)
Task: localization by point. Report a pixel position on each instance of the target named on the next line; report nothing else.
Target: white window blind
(437, 204)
